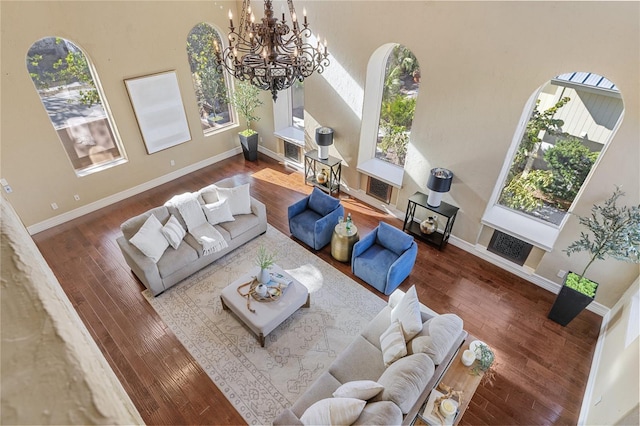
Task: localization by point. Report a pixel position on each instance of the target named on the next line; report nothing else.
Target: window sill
(384, 171)
(292, 135)
(534, 232)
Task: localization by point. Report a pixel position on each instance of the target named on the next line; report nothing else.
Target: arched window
(391, 91)
(566, 127)
(210, 85)
(70, 92)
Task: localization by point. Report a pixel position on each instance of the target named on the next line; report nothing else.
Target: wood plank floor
(541, 371)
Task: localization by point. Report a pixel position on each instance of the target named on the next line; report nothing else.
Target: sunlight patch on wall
(342, 83)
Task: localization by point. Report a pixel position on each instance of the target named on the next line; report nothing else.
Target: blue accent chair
(384, 258)
(312, 219)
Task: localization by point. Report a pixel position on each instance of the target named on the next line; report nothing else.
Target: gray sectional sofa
(407, 382)
(177, 264)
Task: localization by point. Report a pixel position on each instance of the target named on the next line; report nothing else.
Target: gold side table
(342, 241)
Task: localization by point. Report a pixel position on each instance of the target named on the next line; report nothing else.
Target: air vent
(378, 189)
(292, 152)
(509, 247)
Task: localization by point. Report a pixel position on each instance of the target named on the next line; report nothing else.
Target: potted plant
(245, 100)
(265, 260)
(615, 233)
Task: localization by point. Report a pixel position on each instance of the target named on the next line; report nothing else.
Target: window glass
(399, 94)
(210, 84)
(64, 79)
(573, 119)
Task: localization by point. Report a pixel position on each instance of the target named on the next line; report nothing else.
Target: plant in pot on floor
(615, 233)
(245, 100)
(265, 260)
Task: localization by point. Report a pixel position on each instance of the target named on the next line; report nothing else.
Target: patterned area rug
(258, 381)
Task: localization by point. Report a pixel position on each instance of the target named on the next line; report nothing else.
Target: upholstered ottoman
(263, 317)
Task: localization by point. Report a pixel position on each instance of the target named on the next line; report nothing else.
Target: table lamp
(324, 139)
(439, 182)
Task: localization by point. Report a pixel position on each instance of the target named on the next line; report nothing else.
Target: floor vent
(379, 189)
(292, 151)
(509, 247)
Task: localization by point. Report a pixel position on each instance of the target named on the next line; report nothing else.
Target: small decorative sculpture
(429, 225)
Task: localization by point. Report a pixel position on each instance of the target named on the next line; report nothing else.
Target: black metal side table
(440, 237)
(313, 163)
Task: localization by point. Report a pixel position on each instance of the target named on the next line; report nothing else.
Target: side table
(342, 241)
(460, 378)
(313, 163)
(441, 236)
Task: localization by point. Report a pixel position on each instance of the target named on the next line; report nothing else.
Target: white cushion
(173, 232)
(239, 198)
(392, 343)
(333, 411)
(360, 389)
(408, 313)
(149, 239)
(218, 212)
(209, 194)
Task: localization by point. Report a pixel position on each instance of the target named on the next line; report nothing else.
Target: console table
(440, 237)
(459, 378)
(313, 163)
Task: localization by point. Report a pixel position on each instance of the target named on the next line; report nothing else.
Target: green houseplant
(615, 233)
(246, 100)
(265, 260)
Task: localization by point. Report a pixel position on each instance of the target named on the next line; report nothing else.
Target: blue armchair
(313, 218)
(384, 258)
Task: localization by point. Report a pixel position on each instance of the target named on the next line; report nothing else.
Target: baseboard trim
(521, 272)
(104, 202)
(595, 363)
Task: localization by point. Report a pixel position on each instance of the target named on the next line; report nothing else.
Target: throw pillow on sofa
(359, 389)
(150, 240)
(218, 212)
(408, 313)
(239, 198)
(208, 194)
(173, 232)
(333, 411)
(405, 380)
(392, 344)
(438, 335)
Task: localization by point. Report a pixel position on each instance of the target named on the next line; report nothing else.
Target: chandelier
(271, 55)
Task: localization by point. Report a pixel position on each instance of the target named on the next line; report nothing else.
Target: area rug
(260, 382)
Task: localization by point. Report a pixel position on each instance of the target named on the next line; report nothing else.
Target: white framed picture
(159, 110)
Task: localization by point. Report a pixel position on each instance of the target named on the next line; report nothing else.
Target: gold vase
(429, 225)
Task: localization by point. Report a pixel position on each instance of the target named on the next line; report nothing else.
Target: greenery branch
(265, 259)
(245, 100)
(615, 233)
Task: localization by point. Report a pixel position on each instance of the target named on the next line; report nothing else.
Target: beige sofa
(407, 382)
(176, 265)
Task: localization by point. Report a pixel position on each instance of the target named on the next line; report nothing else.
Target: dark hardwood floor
(541, 369)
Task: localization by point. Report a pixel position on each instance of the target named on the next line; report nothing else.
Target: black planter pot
(249, 146)
(569, 303)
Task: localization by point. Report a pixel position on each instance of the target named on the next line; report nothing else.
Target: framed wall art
(159, 110)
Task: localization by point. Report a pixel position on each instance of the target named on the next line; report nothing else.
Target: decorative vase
(261, 290)
(264, 277)
(321, 177)
(429, 225)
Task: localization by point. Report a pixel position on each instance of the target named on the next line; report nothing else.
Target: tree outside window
(571, 123)
(210, 85)
(64, 80)
(400, 91)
